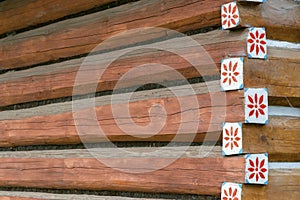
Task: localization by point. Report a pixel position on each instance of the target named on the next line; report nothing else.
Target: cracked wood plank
(212, 109)
(14, 195)
(58, 80)
(82, 34)
(184, 175)
(16, 14)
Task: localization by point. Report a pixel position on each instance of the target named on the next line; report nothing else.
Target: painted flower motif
(257, 42)
(230, 194)
(256, 105)
(232, 138)
(230, 15)
(230, 73)
(257, 169)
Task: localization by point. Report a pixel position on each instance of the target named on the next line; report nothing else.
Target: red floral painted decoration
(257, 42)
(256, 105)
(230, 15)
(257, 169)
(230, 73)
(230, 194)
(231, 138)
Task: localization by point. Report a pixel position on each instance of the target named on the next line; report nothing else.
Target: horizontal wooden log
(17, 198)
(285, 101)
(16, 14)
(284, 183)
(39, 196)
(279, 73)
(280, 18)
(57, 80)
(212, 109)
(280, 138)
(80, 35)
(165, 152)
(184, 175)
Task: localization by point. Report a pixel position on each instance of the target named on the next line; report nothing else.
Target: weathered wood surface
(284, 183)
(280, 18)
(60, 128)
(285, 101)
(57, 80)
(280, 144)
(108, 152)
(280, 138)
(18, 198)
(185, 175)
(81, 35)
(44, 196)
(16, 14)
(58, 108)
(39, 196)
(279, 73)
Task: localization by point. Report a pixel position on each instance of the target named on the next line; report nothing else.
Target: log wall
(45, 43)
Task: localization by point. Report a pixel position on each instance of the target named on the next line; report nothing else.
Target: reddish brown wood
(60, 128)
(18, 14)
(185, 175)
(81, 35)
(57, 80)
(283, 184)
(279, 138)
(279, 73)
(39, 196)
(280, 18)
(18, 198)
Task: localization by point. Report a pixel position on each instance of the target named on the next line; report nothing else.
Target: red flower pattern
(231, 138)
(256, 105)
(257, 42)
(257, 169)
(229, 15)
(230, 194)
(230, 73)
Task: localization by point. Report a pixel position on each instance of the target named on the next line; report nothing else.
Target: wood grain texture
(80, 35)
(185, 175)
(280, 18)
(107, 152)
(190, 117)
(18, 14)
(279, 73)
(283, 184)
(285, 101)
(282, 146)
(279, 138)
(58, 108)
(58, 80)
(18, 198)
(52, 196)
